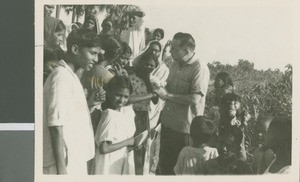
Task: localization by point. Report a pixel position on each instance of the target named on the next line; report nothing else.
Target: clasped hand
(161, 92)
(97, 98)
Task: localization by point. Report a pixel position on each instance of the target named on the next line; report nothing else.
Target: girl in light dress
(114, 135)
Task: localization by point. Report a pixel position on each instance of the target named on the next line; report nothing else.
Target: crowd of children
(102, 109)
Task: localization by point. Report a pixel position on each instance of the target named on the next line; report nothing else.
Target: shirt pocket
(183, 87)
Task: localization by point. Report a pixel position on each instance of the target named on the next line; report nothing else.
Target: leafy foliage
(264, 93)
(115, 12)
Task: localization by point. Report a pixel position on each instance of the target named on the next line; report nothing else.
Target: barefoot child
(191, 158)
(115, 131)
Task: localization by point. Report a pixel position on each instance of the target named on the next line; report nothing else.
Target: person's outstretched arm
(139, 98)
(108, 147)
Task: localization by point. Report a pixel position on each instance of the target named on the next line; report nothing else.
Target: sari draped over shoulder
(135, 37)
(96, 21)
(158, 79)
(50, 24)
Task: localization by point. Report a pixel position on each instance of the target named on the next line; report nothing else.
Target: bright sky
(262, 35)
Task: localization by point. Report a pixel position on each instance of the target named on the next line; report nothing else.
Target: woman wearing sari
(54, 38)
(91, 22)
(158, 78)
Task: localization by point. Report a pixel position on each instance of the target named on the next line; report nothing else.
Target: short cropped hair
(161, 31)
(83, 38)
(186, 39)
(118, 82)
(225, 77)
(112, 47)
(202, 129)
(235, 132)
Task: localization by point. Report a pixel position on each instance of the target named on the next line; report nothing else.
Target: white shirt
(115, 127)
(135, 37)
(284, 170)
(65, 105)
(191, 160)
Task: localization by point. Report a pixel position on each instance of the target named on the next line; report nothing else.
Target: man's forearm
(135, 99)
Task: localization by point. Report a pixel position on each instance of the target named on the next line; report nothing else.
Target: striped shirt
(190, 78)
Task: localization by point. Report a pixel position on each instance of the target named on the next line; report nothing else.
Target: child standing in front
(68, 137)
(192, 158)
(115, 131)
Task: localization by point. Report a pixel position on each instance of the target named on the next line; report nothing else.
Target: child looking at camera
(191, 158)
(115, 131)
(229, 142)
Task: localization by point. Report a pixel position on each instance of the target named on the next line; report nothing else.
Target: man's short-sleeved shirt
(190, 78)
(65, 105)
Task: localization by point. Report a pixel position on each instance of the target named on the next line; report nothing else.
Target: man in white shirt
(134, 36)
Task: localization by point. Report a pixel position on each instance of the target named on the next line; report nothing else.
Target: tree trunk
(74, 14)
(58, 7)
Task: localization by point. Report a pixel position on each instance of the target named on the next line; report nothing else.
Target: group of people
(119, 104)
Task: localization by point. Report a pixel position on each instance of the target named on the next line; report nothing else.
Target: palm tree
(114, 12)
(58, 8)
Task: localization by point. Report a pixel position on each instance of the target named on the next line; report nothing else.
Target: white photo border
(39, 14)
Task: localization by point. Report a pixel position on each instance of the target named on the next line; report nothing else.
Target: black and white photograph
(162, 89)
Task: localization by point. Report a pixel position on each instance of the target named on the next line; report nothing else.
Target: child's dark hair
(118, 82)
(161, 31)
(225, 77)
(201, 130)
(112, 48)
(126, 48)
(83, 38)
(235, 132)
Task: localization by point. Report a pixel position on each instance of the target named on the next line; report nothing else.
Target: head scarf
(96, 22)
(50, 24)
(137, 60)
